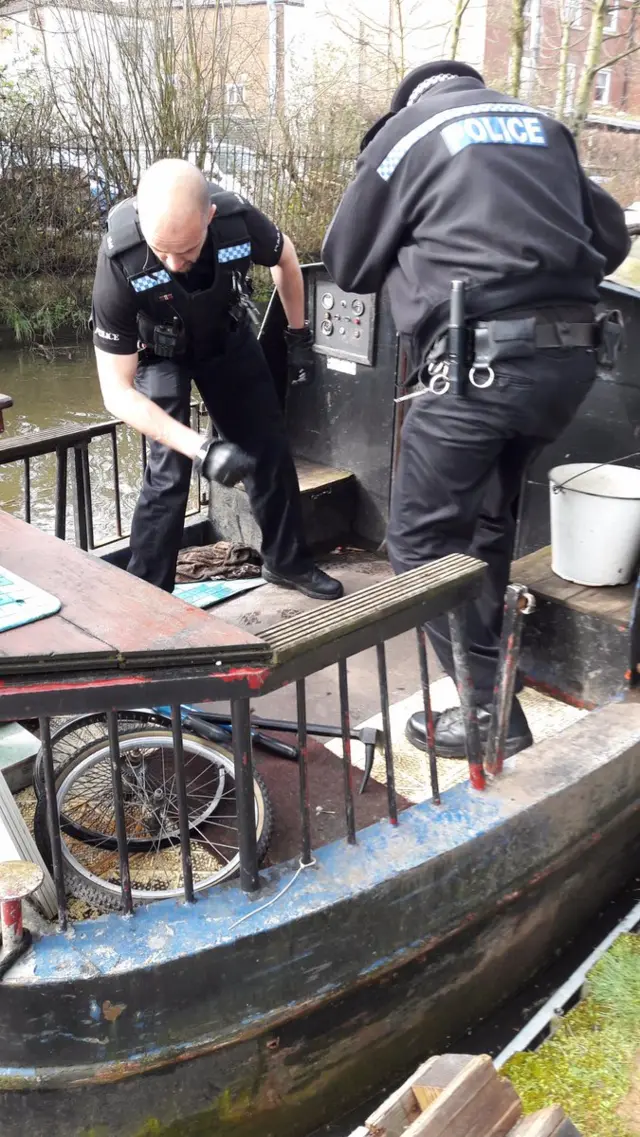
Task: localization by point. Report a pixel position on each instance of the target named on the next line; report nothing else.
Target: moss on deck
(590, 1064)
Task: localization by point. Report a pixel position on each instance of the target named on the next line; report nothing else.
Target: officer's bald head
(174, 210)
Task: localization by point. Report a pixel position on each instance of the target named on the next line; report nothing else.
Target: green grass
(587, 1065)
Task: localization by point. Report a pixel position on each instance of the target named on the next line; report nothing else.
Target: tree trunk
(456, 27)
(518, 30)
(563, 70)
(591, 65)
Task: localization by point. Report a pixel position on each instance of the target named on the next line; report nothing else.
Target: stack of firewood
(458, 1095)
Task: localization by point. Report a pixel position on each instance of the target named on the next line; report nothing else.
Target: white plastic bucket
(595, 523)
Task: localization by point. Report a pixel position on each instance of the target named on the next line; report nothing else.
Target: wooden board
(477, 1103)
(105, 612)
(547, 1123)
(611, 604)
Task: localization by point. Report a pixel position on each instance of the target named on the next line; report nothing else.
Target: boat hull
(376, 957)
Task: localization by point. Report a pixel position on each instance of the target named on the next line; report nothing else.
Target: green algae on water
(590, 1064)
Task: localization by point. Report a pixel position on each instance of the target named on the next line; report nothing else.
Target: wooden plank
(47, 637)
(611, 603)
(115, 608)
(549, 1122)
(430, 1085)
(399, 1110)
(477, 1103)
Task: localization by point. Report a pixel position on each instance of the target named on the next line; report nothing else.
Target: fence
(55, 195)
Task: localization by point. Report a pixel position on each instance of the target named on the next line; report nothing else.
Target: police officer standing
(170, 305)
(459, 183)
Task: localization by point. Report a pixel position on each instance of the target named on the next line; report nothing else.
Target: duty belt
(496, 341)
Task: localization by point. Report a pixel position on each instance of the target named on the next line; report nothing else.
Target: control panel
(344, 323)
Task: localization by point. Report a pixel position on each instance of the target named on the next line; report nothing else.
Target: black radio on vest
(173, 322)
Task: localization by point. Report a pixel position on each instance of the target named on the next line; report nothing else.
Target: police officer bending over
(461, 183)
(170, 305)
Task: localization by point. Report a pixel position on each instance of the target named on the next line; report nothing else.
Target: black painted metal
(53, 820)
(183, 809)
(347, 768)
(86, 474)
(347, 420)
(459, 643)
(242, 757)
(511, 638)
(79, 501)
(62, 455)
(305, 809)
(27, 490)
(116, 482)
(383, 682)
(428, 714)
(118, 810)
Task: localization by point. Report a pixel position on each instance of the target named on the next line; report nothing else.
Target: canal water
(52, 393)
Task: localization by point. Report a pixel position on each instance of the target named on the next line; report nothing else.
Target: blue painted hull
(180, 1021)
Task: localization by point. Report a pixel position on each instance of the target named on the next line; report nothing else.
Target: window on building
(611, 25)
(235, 94)
(572, 13)
(602, 88)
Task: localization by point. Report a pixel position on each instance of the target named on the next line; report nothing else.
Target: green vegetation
(37, 309)
(590, 1064)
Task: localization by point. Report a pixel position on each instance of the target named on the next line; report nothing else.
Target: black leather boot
(314, 583)
(449, 729)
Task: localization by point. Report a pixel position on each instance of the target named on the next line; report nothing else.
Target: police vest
(204, 317)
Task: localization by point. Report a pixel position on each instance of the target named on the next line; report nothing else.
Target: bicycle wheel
(68, 736)
(85, 803)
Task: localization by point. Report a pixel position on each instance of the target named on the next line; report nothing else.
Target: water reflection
(64, 391)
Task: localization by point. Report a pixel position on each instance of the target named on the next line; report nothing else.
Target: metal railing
(298, 648)
(74, 441)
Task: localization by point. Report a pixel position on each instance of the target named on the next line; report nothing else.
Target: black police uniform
(466, 183)
(195, 326)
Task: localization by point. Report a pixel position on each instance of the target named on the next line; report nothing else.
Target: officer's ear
(212, 213)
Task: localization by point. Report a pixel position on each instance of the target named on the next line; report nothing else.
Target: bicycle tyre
(64, 745)
(107, 898)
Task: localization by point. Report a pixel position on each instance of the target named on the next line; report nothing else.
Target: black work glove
(223, 462)
(300, 355)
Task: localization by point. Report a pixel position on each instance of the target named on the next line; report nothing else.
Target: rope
(273, 900)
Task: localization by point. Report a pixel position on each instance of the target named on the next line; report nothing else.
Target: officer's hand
(300, 354)
(223, 462)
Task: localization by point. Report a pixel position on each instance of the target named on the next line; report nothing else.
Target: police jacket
(200, 320)
(471, 184)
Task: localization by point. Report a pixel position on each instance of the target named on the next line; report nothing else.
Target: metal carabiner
(485, 369)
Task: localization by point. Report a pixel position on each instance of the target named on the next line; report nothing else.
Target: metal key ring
(485, 369)
(439, 384)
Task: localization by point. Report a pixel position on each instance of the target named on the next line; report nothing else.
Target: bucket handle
(555, 488)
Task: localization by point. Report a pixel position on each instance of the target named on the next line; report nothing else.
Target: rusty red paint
(254, 676)
(12, 916)
(562, 696)
(477, 778)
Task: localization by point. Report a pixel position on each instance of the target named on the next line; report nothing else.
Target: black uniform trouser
(458, 480)
(238, 391)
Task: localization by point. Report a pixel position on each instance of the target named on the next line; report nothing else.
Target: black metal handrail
(298, 648)
(76, 439)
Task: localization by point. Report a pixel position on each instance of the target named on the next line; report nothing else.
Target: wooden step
(329, 498)
(576, 641)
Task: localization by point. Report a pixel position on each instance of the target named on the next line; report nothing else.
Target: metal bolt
(18, 880)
